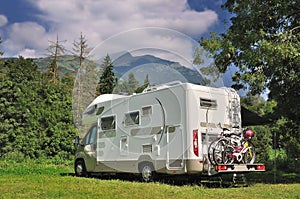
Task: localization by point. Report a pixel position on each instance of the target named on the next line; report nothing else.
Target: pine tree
(81, 49)
(132, 83)
(146, 81)
(107, 80)
(81, 52)
(55, 50)
(1, 53)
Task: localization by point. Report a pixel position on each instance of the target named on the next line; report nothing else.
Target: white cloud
(22, 36)
(100, 19)
(28, 53)
(3, 20)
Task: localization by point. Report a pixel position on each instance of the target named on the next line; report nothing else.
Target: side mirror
(76, 141)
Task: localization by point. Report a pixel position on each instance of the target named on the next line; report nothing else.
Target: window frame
(105, 117)
(128, 118)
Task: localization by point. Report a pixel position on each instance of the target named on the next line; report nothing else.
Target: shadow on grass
(224, 181)
(274, 177)
(172, 180)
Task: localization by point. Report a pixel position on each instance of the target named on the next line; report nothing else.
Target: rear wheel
(147, 171)
(80, 169)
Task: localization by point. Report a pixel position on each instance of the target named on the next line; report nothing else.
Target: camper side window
(108, 123)
(132, 118)
(108, 127)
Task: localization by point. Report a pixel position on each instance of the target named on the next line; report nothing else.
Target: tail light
(195, 142)
(221, 168)
(260, 167)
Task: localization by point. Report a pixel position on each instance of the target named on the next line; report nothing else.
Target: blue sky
(27, 26)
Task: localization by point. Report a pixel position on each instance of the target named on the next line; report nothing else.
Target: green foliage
(140, 89)
(129, 86)
(1, 53)
(84, 93)
(55, 50)
(35, 116)
(262, 142)
(263, 42)
(282, 135)
(287, 137)
(107, 80)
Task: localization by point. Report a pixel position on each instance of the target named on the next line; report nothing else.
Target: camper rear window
(208, 103)
(108, 123)
(132, 118)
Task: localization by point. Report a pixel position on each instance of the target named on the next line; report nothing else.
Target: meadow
(36, 180)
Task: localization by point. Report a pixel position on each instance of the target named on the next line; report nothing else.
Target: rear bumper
(235, 168)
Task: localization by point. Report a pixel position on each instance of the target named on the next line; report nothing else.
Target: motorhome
(166, 129)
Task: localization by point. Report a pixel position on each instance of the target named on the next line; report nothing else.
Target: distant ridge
(159, 70)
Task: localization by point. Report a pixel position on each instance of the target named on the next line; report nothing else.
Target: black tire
(147, 172)
(80, 169)
(249, 155)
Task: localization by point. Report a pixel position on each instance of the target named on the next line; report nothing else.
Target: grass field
(29, 180)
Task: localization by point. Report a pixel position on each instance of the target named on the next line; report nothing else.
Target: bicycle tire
(218, 150)
(228, 157)
(210, 152)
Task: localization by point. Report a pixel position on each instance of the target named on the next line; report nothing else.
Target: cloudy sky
(27, 26)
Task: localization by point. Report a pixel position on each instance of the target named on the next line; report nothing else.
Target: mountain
(158, 70)
(66, 63)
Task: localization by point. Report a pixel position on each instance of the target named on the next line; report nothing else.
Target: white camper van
(166, 129)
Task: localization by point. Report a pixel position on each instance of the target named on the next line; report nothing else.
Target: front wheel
(80, 169)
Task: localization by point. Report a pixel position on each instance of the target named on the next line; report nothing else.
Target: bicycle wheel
(218, 150)
(210, 152)
(249, 155)
(228, 157)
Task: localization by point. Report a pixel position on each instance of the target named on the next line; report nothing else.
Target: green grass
(31, 180)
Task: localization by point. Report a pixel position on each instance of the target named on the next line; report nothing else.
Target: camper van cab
(166, 129)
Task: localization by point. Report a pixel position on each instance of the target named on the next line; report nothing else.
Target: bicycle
(225, 134)
(232, 148)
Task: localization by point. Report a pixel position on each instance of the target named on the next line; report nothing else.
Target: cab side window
(90, 137)
(93, 135)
